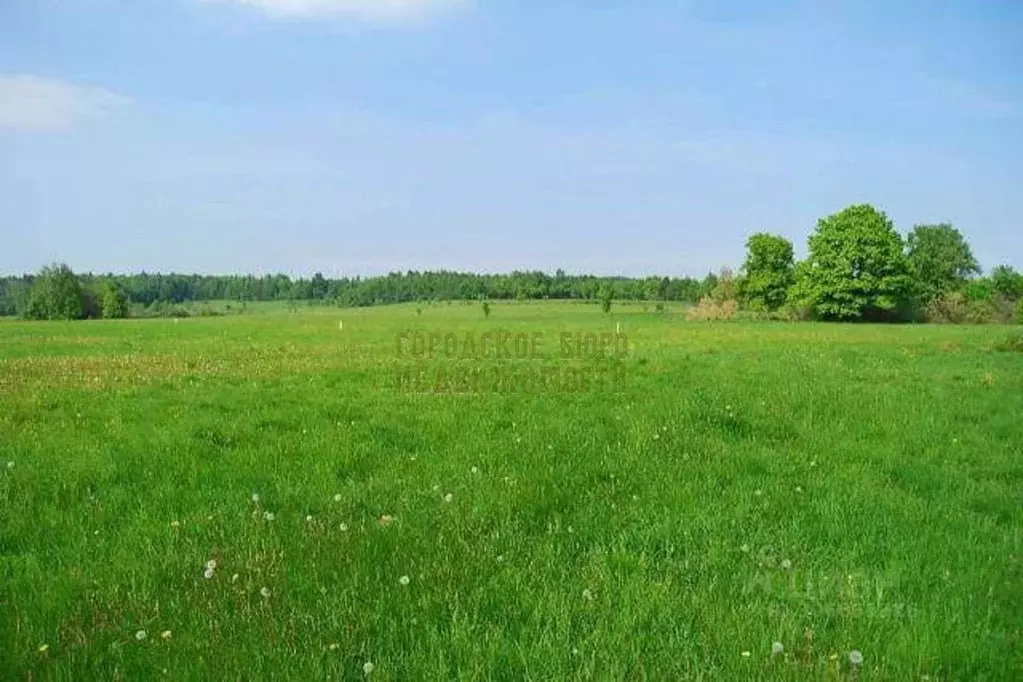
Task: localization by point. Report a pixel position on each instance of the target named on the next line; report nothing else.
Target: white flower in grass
(175, 524)
(449, 497)
(855, 657)
(337, 497)
(140, 635)
(166, 634)
(255, 497)
(786, 564)
(746, 654)
(10, 465)
(265, 593)
(745, 548)
(404, 580)
(475, 470)
(269, 516)
(208, 574)
(309, 519)
(367, 667)
(344, 527)
(211, 564)
(587, 595)
(777, 648)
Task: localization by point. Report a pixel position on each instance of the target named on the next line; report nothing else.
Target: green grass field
(829, 488)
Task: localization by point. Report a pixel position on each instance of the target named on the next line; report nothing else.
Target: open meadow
(270, 495)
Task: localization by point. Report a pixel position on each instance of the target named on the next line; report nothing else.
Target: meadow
(261, 497)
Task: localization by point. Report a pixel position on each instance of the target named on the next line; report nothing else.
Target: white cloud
(373, 10)
(31, 103)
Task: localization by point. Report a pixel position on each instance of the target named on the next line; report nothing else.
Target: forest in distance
(859, 267)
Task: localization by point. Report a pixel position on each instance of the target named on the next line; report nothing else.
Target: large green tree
(56, 295)
(941, 260)
(856, 266)
(768, 271)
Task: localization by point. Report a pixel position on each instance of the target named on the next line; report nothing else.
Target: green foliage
(56, 295)
(486, 308)
(1012, 343)
(856, 266)
(1007, 282)
(1019, 311)
(768, 272)
(607, 295)
(114, 302)
(940, 259)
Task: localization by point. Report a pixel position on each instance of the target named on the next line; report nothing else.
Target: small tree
(768, 272)
(1007, 282)
(486, 308)
(607, 294)
(114, 303)
(56, 295)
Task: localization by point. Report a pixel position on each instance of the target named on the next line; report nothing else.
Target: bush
(948, 309)
(1019, 311)
(710, 309)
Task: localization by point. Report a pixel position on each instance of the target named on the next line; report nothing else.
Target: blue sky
(363, 136)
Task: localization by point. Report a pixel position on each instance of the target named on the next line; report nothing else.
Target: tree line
(858, 267)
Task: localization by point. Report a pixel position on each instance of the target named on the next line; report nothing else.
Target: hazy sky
(616, 137)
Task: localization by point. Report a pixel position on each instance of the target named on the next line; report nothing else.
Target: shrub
(947, 309)
(1019, 311)
(710, 309)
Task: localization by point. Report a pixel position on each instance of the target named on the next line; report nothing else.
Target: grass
(832, 488)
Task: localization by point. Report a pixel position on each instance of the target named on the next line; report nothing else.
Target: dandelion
(404, 580)
(746, 654)
(745, 548)
(43, 648)
(799, 488)
(500, 558)
(175, 524)
(211, 564)
(777, 648)
(343, 527)
(786, 564)
(449, 497)
(855, 657)
(309, 519)
(758, 492)
(265, 593)
(10, 465)
(269, 516)
(386, 520)
(367, 667)
(475, 470)
(337, 497)
(587, 595)
(208, 574)
(335, 647)
(140, 635)
(166, 634)
(255, 497)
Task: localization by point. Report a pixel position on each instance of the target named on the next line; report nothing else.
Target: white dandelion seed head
(344, 527)
(140, 635)
(746, 654)
(587, 595)
(777, 648)
(10, 465)
(786, 564)
(269, 516)
(309, 519)
(175, 524)
(211, 564)
(208, 574)
(404, 580)
(265, 593)
(475, 470)
(337, 497)
(449, 497)
(166, 634)
(855, 657)
(745, 548)
(367, 667)
(255, 497)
